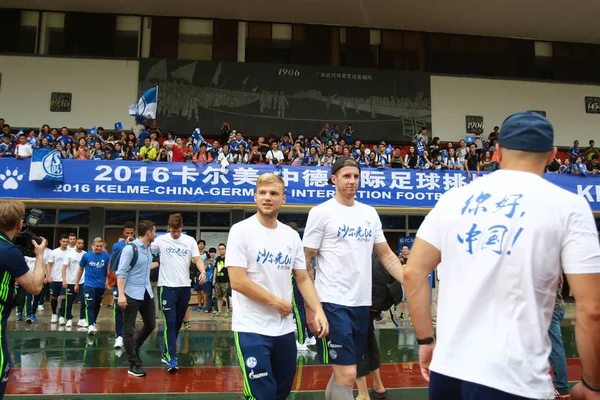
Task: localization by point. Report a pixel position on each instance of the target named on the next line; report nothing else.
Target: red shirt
(178, 155)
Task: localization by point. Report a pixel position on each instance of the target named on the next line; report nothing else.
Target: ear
(500, 152)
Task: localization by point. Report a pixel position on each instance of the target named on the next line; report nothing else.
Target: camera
(27, 234)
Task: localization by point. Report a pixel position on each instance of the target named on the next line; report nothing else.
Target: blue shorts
(348, 332)
(443, 387)
(268, 364)
(56, 289)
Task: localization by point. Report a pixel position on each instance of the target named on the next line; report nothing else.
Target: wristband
(593, 389)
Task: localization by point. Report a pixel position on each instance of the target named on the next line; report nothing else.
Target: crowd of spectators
(473, 154)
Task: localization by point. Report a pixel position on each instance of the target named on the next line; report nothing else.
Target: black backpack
(386, 291)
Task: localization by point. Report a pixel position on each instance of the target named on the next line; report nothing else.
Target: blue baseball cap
(527, 131)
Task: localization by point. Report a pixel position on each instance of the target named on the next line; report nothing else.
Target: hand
(64, 285)
(425, 354)
(283, 307)
(580, 392)
(49, 279)
(202, 277)
(318, 324)
(122, 301)
(39, 248)
(76, 288)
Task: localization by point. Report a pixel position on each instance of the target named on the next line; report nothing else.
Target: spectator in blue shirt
(6, 147)
(135, 294)
(64, 137)
(32, 139)
(574, 152)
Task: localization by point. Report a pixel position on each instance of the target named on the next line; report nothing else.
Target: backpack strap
(134, 259)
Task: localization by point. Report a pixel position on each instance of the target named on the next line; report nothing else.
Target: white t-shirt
(72, 263)
(503, 240)
(175, 258)
(344, 237)
(269, 255)
(24, 150)
(30, 262)
(58, 257)
(271, 155)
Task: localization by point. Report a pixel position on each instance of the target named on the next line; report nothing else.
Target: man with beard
(341, 235)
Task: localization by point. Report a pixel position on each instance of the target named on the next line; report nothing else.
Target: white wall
(454, 98)
(102, 90)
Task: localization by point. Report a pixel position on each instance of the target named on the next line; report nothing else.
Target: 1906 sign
(60, 102)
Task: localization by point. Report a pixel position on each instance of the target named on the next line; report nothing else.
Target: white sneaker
(301, 347)
(54, 318)
(61, 321)
(40, 308)
(92, 330)
(311, 341)
(82, 323)
(119, 342)
(69, 323)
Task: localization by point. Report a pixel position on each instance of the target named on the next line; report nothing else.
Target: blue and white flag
(146, 106)
(46, 165)
(93, 131)
(118, 126)
(198, 139)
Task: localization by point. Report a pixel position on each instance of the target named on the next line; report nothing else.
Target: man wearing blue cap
(503, 240)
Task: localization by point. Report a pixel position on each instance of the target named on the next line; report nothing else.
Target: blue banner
(159, 182)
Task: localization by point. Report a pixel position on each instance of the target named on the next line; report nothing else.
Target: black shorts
(371, 359)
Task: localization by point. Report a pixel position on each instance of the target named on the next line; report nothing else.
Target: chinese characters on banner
(159, 182)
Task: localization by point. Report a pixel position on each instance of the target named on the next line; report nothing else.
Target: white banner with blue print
(160, 182)
(46, 165)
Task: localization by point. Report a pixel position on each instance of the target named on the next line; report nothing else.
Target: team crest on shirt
(333, 354)
(274, 259)
(251, 362)
(358, 233)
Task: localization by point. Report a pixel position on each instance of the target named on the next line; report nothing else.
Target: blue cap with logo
(527, 131)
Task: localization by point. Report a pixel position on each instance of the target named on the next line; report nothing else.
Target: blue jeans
(558, 360)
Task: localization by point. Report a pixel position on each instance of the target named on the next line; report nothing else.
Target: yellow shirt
(148, 153)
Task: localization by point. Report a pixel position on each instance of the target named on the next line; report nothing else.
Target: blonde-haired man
(261, 254)
(14, 268)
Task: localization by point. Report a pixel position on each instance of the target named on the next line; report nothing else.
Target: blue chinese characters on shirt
(506, 213)
(177, 251)
(276, 259)
(356, 233)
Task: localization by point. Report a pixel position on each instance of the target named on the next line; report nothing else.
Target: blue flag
(146, 106)
(46, 165)
(93, 131)
(389, 149)
(118, 126)
(198, 139)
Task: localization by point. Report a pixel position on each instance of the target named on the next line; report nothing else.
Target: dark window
(215, 219)
(27, 37)
(56, 41)
(74, 217)
(119, 217)
(414, 221)
(299, 219)
(162, 218)
(49, 215)
(126, 44)
(393, 221)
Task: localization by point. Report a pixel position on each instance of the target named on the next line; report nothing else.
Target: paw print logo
(10, 179)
